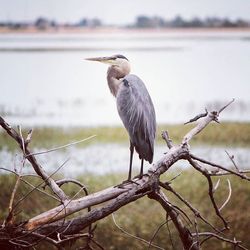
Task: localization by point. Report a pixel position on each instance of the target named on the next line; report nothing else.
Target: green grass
(142, 217)
(234, 134)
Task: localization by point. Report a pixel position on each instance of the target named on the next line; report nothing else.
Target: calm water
(45, 80)
(113, 158)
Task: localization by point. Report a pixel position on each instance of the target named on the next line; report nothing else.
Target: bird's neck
(114, 76)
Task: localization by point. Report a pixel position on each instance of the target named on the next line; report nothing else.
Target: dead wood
(55, 228)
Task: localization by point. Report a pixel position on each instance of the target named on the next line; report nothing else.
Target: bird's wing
(137, 112)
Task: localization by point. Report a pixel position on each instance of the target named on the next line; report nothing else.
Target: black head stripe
(121, 56)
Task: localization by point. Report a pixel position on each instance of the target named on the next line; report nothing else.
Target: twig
(61, 147)
(10, 217)
(210, 236)
(44, 237)
(224, 107)
(28, 183)
(15, 173)
(37, 167)
(51, 241)
(223, 173)
(229, 195)
(133, 236)
(21, 243)
(169, 232)
(210, 189)
(234, 242)
(231, 157)
(184, 233)
(156, 232)
(29, 136)
(96, 243)
(216, 185)
(64, 181)
(30, 232)
(165, 137)
(40, 184)
(197, 232)
(197, 117)
(194, 244)
(172, 179)
(22, 140)
(188, 204)
(182, 213)
(211, 116)
(243, 176)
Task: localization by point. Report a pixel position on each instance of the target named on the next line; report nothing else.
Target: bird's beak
(107, 60)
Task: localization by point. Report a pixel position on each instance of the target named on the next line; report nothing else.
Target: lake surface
(45, 80)
(113, 158)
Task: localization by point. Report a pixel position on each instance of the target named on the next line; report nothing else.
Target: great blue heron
(134, 106)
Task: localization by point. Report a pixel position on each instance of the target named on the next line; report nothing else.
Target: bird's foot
(126, 182)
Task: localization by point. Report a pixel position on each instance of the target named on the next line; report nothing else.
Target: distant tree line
(196, 22)
(43, 23)
(141, 21)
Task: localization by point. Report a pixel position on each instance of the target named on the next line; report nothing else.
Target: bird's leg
(141, 172)
(131, 160)
(122, 185)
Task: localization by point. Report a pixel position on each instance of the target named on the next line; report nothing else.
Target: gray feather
(137, 112)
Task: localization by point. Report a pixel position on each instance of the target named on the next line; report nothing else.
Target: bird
(134, 106)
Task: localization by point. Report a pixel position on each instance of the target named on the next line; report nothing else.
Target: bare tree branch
(188, 204)
(224, 107)
(184, 233)
(234, 242)
(39, 185)
(239, 174)
(29, 184)
(210, 189)
(37, 167)
(231, 157)
(53, 227)
(197, 117)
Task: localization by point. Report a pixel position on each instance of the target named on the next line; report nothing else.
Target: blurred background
(191, 55)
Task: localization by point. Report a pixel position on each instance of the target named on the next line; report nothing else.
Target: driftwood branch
(43, 226)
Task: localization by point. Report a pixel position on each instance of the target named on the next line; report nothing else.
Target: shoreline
(107, 30)
(233, 134)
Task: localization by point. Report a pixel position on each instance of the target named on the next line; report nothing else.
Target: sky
(120, 11)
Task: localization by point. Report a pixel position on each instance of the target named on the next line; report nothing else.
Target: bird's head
(117, 62)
